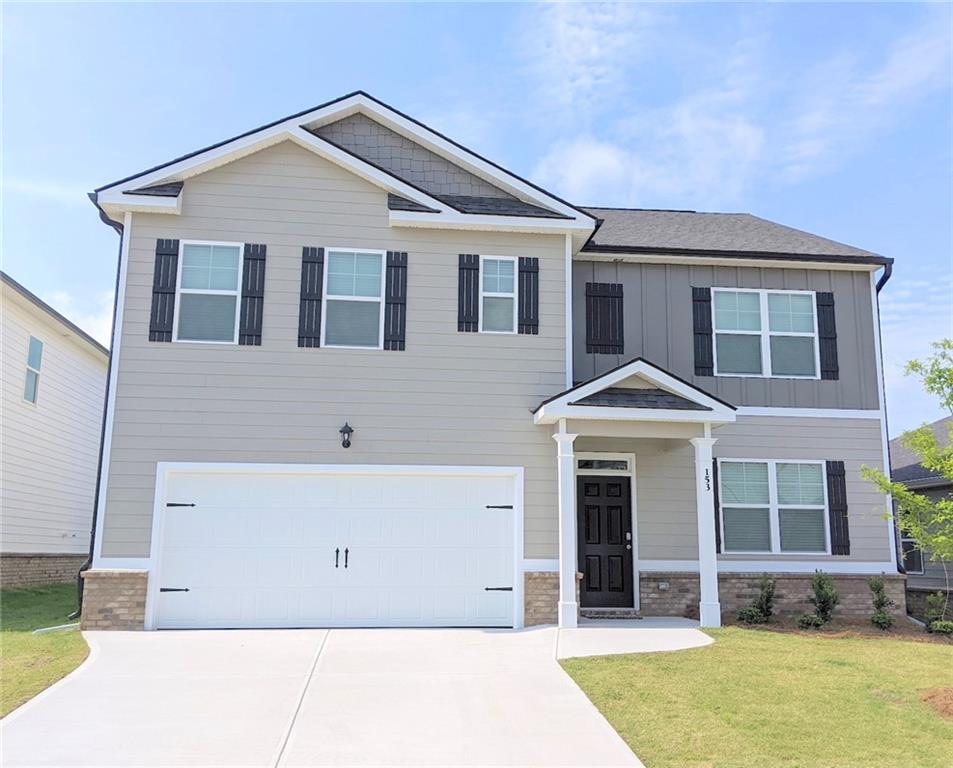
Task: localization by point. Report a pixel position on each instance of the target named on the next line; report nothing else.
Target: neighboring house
(659, 400)
(54, 382)
(924, 575)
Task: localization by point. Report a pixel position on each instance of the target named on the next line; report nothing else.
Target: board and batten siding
(665, 480)
(49, 450)
(449, 399)
(658, 326)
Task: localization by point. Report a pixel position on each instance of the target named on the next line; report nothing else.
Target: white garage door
(264, 549)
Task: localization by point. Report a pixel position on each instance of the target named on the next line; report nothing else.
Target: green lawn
(29, 663)
(757, 699)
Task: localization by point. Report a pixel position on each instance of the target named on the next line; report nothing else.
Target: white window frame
(903, 540)
(767, 364)
(500, 295)
(30, 368)
(774, 508)
(325, 298)
(179, 290)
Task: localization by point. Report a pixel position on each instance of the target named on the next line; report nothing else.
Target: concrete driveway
(316, 697)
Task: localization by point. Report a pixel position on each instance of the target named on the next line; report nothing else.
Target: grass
(756, 699)
(29, 663)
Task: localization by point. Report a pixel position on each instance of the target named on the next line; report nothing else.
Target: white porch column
(566, 466)
(709, 606)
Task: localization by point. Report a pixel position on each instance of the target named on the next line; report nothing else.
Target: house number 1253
(707, 480)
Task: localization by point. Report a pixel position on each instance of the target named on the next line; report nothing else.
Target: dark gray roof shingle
(905, 466)
(730, 233)
(498, 206)
(622, 397)
(398, 203)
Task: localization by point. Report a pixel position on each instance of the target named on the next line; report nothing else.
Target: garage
(354, 546)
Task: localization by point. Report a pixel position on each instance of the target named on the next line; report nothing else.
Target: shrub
(825, 596)
(765, 600)
(942, 627)
(881, 617)
(751, 615)
(936, 608)
(809, 621)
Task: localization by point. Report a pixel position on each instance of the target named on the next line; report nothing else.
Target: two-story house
(364, 376)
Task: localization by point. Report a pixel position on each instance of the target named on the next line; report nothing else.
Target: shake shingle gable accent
(163, 290)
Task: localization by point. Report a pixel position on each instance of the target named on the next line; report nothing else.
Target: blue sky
(832, 118)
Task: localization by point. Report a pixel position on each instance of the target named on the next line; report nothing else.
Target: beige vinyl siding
(450, 399)
(665, 490)
(49, 450)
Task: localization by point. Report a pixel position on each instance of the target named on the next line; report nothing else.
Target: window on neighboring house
(498, 295)
(765, 333)
(209, 286)
(354, 304)
(912, 556)
(773, 506)
(34, 359)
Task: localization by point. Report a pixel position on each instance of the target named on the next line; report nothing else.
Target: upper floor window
(208, 292)
(765, 333)
(354, 299)
(498, 295)
(773, 507)
(34, 359)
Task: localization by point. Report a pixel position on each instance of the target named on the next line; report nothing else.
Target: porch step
(609, 613)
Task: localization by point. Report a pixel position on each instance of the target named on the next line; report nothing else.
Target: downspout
(888, 271)
(102, 432)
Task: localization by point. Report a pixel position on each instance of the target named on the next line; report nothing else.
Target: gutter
(102, 431)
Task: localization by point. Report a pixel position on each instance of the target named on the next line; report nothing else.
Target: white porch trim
(568, 557)
(709, 605)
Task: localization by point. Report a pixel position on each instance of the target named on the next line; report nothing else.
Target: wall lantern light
(346, 431)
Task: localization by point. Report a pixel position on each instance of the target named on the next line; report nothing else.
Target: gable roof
(636, 230)
(905, 466)
(42, 305)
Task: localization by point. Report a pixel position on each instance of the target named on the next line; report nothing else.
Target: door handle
(345, 556)
(628, 546)
(337, 554)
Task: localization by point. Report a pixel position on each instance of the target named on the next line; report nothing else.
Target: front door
(604, 532)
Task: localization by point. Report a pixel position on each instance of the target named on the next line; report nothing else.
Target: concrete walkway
(447, 697)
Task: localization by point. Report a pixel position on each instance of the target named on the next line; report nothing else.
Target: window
(611, 465)
(765, 333)
(912, 556)
(208, 298)
(775, 507)
(34, 358)
(498, 295)
(353, 305)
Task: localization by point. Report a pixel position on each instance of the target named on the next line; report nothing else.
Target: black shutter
(701, 320)
(837, 506)
(312, 284)
(714, 490)
(604, 324)
(528, 295)
(827, 335)
(468, 293)
(163, 290)
(253, 295)
(395, 301)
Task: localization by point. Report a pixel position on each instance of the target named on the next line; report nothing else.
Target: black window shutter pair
(468, 294)
(836, 502)
(395, 299)
(605, 333)
(826, 333)
(163, 292)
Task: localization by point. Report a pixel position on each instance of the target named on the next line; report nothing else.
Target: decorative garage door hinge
(173, 589)
(497, 589)
(499, 506)
(178, 504)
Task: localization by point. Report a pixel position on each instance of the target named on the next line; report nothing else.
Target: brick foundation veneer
(917, 601)
(35, 569)
(114, 599)
(540, 598)
(737, 590)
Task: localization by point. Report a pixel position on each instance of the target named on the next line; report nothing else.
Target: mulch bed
(903, 629)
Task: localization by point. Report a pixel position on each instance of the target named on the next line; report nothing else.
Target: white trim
(716, 261)
(325, 297)
(237, 293)
(772, 566)
(881, 399)
(765, 333)
(810, 413)
(563, 406)
(110, 414)
(568, 311)
(499, 294)
(531, 565)
(774, 506)
(448, 218)
(165, 468)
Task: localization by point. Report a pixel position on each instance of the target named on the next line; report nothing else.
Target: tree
(928, 523)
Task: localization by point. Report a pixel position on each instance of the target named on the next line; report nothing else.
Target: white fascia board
(116, 204)
(450, 219)
(553, 412)
(773, 566)
(811, 413)
(709, 261)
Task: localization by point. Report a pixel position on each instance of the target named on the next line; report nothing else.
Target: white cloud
(55, 191)
(94, 315)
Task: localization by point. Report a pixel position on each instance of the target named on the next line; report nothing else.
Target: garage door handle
(499, 506)
(345, 557)
(497, 589)
(173, 589)
(337, 554)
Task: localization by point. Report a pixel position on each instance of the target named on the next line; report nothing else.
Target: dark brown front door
(604, 510)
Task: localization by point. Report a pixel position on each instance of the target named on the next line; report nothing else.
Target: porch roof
(659, 396)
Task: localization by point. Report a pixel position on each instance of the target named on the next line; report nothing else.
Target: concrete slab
(611, 636)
